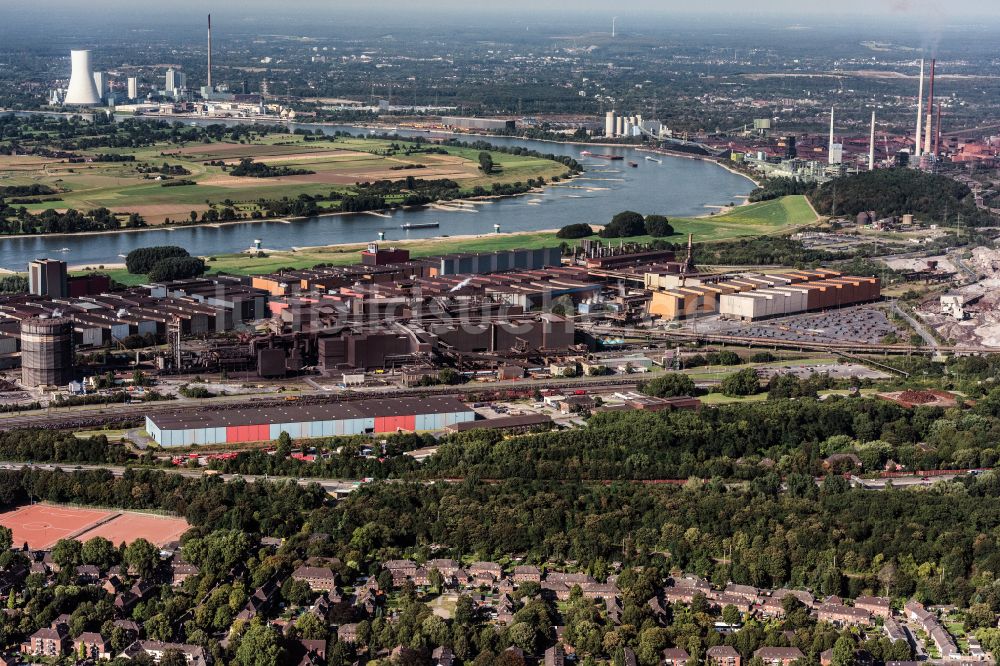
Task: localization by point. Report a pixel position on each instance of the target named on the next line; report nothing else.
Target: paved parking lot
(865, 325)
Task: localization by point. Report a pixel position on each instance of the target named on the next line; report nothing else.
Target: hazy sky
(901, 8)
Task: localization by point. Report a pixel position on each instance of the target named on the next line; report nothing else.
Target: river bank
(682, 189)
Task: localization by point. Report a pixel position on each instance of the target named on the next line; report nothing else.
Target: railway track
(743, 341)
(133, 415)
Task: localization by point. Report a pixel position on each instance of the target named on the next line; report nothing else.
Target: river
(674, 186)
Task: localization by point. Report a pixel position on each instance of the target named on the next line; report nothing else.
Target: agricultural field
(337, 164)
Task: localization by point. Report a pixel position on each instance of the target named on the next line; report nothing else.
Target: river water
(674, 186)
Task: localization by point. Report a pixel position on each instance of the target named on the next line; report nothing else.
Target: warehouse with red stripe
(184, 428)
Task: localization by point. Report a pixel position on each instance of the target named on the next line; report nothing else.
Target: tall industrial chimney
(871, 146)
(830, 148)
(82, 90)
(937, 133)
(834, 155)
(920, 114)
(929, 134)
(210, 88)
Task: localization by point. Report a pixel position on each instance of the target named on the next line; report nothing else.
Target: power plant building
(133, 88)
(82, 90)
(188, 427)
(488, 124)
(101, 83)
(47, 277)
(46, 352)
(498, 262)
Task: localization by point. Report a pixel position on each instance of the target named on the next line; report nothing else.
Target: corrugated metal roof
(292, 413)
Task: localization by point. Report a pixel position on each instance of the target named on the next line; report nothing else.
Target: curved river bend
(674, 186)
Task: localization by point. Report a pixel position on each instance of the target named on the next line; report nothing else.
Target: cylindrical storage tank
(46, 352)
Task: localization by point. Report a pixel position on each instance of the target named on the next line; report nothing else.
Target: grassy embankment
(769, 217)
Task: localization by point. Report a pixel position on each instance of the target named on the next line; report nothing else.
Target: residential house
(446, 567)
(124, 601)
(600, 590)
(803, 596)
(929, 622)
(656, 607)
(772, 607)
(319, 579)
(894, 631)
(259, 601)
(422, 577)
(505, 609)
(113, 584)
(844, 616)
(181, 571)
(693, 582)
(130, 628)
(92, 645)
(748, 592)
(47, 642)
(722, 655)
(674, 657)
(526, 573)
(555, 656)
(779, 656)
(307, 652)
(491, 568)
(723, 599)
(557, 590)
(366, 600)
(878, 606)
(87, 574)
(322, 608)
(194, 655)
(628, 657)
(685, 595)
(614, 609)
(844, 462)
(347, 633)
(401, 570)
(976, 650)
(569, 579)
(443, 656)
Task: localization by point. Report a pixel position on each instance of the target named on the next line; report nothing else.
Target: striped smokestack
(929, 135)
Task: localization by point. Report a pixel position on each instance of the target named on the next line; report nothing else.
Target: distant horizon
(907, 11)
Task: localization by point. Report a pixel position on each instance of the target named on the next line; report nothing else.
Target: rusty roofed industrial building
(306, 421)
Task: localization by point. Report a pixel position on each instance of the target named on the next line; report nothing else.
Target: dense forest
(730, 442)
(828, 538)
(896, 192)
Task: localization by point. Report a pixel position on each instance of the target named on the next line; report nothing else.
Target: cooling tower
(82, 91)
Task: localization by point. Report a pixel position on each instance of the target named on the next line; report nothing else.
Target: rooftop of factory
(293, 413)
